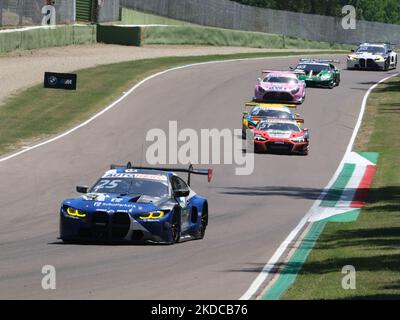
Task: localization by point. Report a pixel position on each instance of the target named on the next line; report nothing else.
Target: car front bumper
(281, 147)
(118, 227)
(319, 83)
(278, 96)
(366, 64)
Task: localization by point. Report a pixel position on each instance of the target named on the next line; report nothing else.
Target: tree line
(386, 11)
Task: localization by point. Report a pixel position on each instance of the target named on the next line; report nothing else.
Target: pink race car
(280, 86)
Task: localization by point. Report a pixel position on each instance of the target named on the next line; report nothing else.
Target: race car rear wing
(283, 71)
(202, 172)
(271, 105)
(319, 60)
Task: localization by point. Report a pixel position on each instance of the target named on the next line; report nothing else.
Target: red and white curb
(354, 193)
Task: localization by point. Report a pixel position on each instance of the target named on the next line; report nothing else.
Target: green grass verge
(195, 35)
(38, 112)
(371, 244)
(129, 16)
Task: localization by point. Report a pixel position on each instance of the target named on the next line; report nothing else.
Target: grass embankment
(372, 244)
(129, 16)
(38, 112)
(183, 33)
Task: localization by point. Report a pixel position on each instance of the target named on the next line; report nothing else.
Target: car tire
(305, 153)
(387, 65)
(175, 231)
(200, 233)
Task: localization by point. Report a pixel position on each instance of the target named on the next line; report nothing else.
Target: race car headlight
(299, 139)
(75, 213)
(325, 77)
(380, 59)
(155, 215)
(259, 137)
(294, 91)
(352, 58)
(261, 90)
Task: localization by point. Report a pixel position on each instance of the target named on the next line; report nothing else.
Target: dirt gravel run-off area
(22, 69)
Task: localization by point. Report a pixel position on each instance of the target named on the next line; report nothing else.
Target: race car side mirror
(259, 80)
(181, 193)
(352, 50)
(306, 130)
(390, 51)
(291, 68)
(82, 189)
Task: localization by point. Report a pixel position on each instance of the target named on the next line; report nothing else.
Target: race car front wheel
(387, 65)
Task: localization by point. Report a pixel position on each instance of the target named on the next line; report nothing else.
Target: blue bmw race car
(132, 204)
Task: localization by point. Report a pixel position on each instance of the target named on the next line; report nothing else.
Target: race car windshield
(278, 127)
(132, 186)
(371, 49)
(281, 80)
(315, 68)
(271, 114)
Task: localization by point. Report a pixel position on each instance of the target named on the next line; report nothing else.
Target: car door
(178, 184)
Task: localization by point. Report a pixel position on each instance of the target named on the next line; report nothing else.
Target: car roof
(277, 74)
(315, 63)
(382, 45)
(132, 173)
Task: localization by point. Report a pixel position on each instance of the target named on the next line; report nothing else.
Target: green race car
(318, 73)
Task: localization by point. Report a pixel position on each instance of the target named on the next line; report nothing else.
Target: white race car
(373, 56)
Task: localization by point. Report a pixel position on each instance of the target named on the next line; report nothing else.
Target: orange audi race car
(265, 111)
(281, 137)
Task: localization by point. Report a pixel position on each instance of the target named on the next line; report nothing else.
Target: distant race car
(263, 111)
(373, 56)
(280, 86)
(319, 73)
(282, 137)
(131, 204)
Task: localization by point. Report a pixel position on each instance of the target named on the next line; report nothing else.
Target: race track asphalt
(249, 216)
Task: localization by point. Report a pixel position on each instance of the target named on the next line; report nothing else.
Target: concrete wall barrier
(123, 35)
(43, 37)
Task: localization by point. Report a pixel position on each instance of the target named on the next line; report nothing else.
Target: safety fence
(15, 13)
(232, 15)
(29, 12)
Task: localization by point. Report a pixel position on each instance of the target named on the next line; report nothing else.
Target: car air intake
(120, 225)
(100, 222)
(280, 148)
(278, 96)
